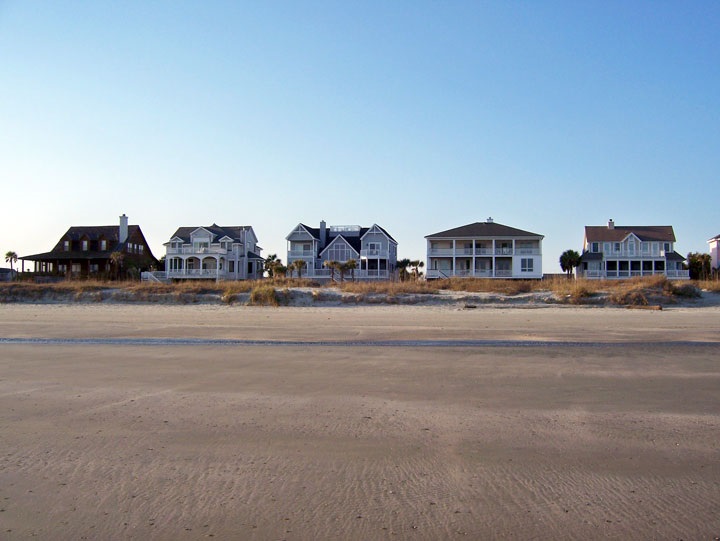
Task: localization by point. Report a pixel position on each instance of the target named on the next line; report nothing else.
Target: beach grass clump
(711, 286)
(488, 285)
(264, 295)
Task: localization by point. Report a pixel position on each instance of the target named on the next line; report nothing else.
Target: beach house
(372, 248)
(212, 252)
(614, 251)
(484, 250)
(119, 251)
(714, 245)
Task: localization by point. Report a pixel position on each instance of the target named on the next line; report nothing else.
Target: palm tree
(402, 267)
(298, 265)
(11, 257)
(333, 266)
(116, 260)
(416, 266)
(351, 265)
(271, 262)
(569, 259)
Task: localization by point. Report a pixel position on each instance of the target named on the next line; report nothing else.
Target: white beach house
(484, 250)
(614, 251)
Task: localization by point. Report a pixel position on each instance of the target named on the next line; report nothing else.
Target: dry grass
(264, 295)
(635, 291)
(387, 287)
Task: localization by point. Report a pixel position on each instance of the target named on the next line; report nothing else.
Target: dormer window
(103, 245)
(66, 245)
(84, 246)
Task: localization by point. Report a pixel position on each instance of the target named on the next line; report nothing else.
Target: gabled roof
(110, 233)
(618, 233)
(365, 230)
(483, 229)
(353, 242)
(716, 237)
(234, 232)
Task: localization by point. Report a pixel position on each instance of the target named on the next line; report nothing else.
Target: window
(231, 266)
(62, 268)
(616, 247)
(85, 246)
(103, 245)
(339, 252)
(527, 264)
(140, 248)
(76, 268)
(595, 247)
(94, 267)
(66, 245)
(667, 247)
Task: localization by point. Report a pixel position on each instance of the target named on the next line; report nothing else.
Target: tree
(402, 267)
(351, 265)
(270, 265)
(699, 265)
(333, 266)
(569, 259)
(298, 265)
(116, 260)
(11, 257)
(416, 265)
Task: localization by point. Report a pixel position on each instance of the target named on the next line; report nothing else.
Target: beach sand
(609, 430)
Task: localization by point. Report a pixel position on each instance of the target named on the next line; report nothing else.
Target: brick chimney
(611, 224)
(123, 232)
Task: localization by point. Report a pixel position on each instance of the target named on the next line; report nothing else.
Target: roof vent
(611, 224)
(489, 220)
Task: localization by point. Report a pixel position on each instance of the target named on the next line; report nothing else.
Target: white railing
(611, 274)
(196, 273)
(191, 250)
(301, 253)
(375, 254)
(503, 273)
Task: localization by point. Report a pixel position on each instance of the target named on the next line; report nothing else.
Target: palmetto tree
(297, 265)
(350, 265)
(333, 266)
(11, 257)
(402, 267)
(270, 264)
(416, 265)
(569, 259)
(116, 260)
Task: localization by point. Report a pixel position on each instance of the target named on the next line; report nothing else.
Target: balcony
(199, 251)
(621, 274)
(488, 252)
(196, 273)
(298, 254)
(375, 254)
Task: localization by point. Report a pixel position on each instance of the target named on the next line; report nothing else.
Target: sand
(556, 423)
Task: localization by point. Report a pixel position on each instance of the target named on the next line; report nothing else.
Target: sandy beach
(358, 422)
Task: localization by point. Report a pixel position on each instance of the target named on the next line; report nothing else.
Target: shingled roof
(234, 232)
(483, 229)
(647, 233)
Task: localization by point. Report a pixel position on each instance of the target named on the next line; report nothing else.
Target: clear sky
(419, 116)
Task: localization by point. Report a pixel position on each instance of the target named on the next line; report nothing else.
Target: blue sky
(418, 116)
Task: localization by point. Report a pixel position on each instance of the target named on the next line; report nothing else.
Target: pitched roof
(483, 229)
(352, 240)
(218, 232)
(674, 256)
(716, 237)
(602, 233)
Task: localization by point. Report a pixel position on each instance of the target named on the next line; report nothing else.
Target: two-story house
(373, 249)
(88, 251)
(484, 250)
(614, 251)
(714, 244)
(213, 252)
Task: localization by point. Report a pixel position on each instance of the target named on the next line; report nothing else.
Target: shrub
(264, 295)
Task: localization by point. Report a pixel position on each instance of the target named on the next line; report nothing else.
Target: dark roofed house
(373, 249)
(614, 251)
(211, 252)
(87, 251)
(484, 250)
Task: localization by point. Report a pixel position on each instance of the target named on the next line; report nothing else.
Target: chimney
(489, 220)
(611, 224)
(123, 233)
(323, 233)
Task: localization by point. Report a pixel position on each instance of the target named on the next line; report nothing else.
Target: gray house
(373, 249)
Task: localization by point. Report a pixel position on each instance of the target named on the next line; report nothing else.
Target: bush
(264, 296)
